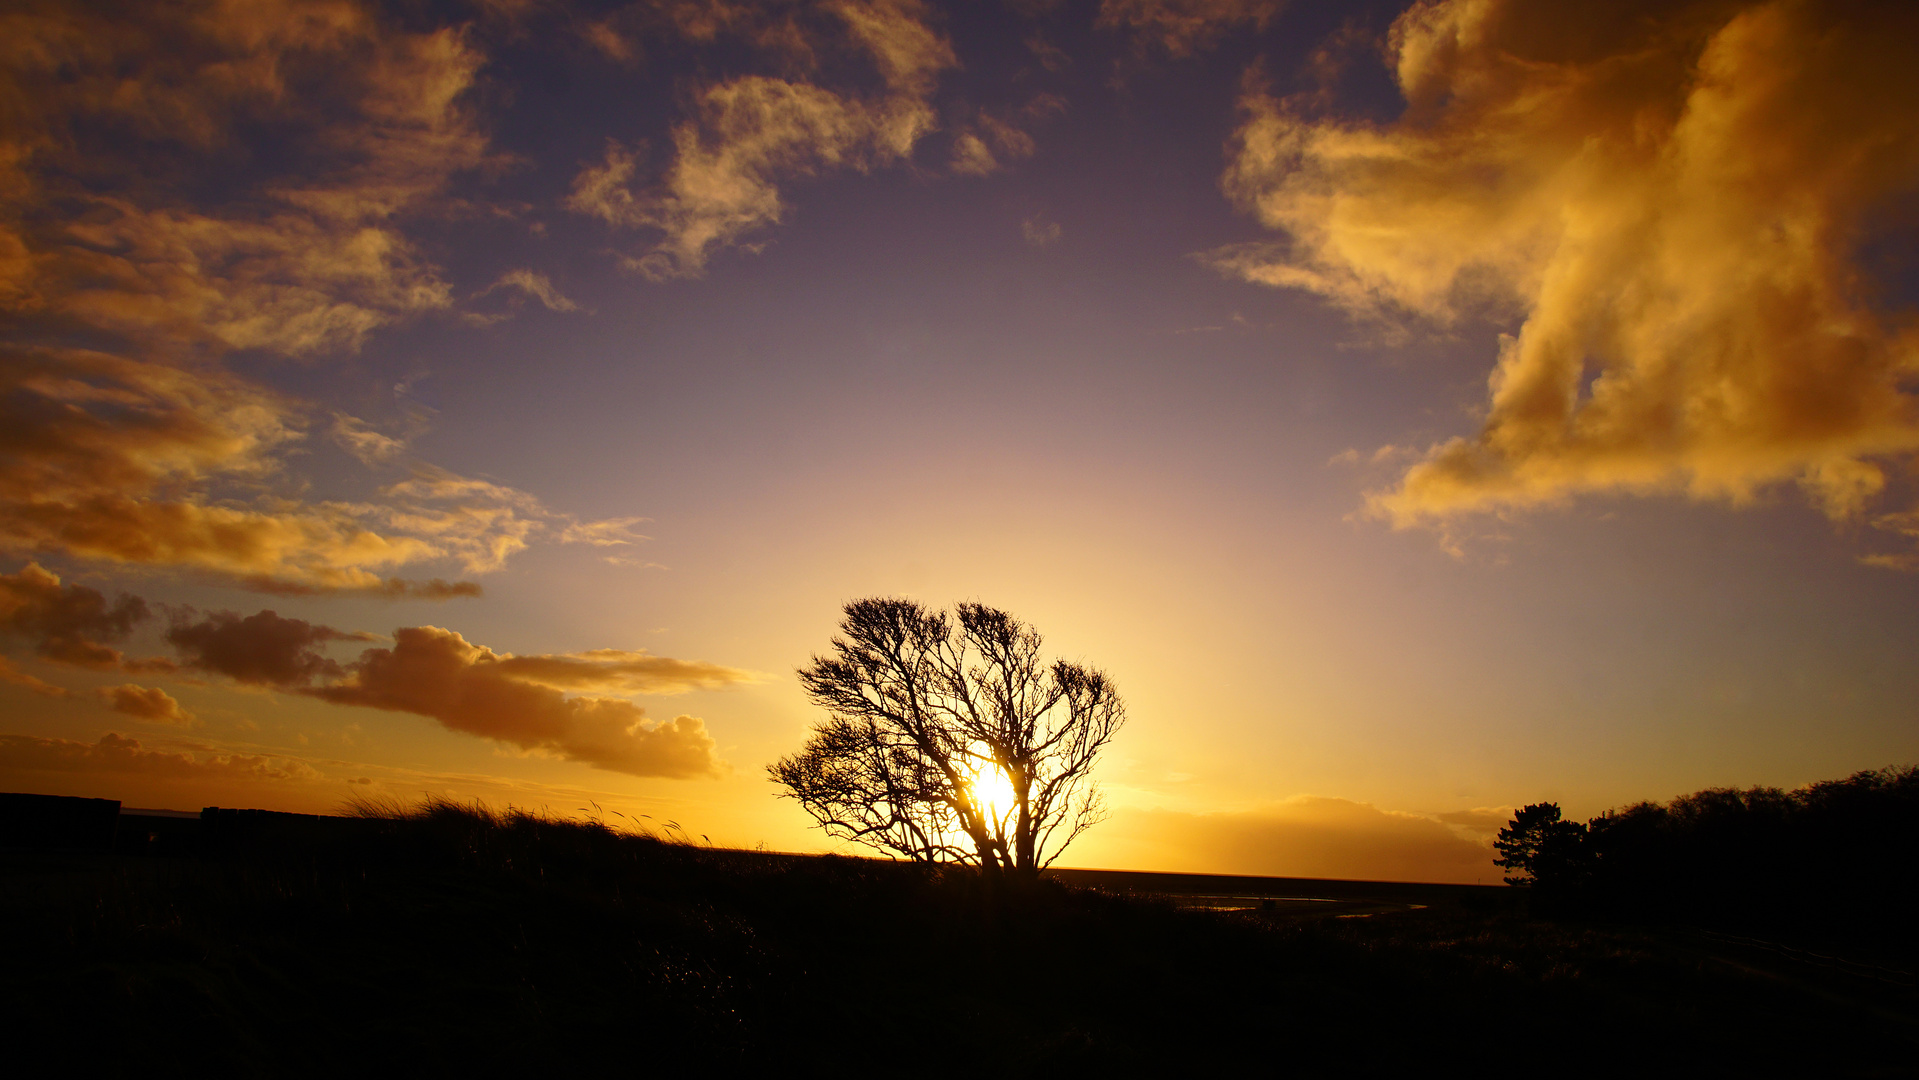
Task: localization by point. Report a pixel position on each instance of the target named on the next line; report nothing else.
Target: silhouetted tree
(926, 713)
(1546, 851)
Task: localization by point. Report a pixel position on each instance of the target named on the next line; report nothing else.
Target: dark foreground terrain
(454, 940)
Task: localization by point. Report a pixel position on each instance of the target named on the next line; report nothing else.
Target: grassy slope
(452, 941)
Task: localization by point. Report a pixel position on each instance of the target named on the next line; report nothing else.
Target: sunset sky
(1417, 412)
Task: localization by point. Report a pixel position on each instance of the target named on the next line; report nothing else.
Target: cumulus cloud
(262, 649)
(1670, 199)
(1306, 836)
(521, 700)
(151, 704)
(118, 754)
(1181, 28)
(748, 134)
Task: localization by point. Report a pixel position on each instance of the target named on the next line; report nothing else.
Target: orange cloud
(146, 703)
(747, 134)
(1669, 199)
(519, 700)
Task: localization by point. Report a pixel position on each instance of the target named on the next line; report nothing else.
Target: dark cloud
(119, 754)
(390, 589)
(67, 623)
(262, 649)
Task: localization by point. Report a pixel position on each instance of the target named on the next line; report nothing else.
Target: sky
(1418, 412)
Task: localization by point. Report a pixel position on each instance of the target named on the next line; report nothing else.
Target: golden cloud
(151, 704)
(154, 456)
(747, 134)
(311, 263)
(111, 459)
(520, 700)
(1670, 198)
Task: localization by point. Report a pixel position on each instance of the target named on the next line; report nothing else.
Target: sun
(993, 790)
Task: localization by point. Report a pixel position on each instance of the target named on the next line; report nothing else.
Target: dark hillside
(454, 939)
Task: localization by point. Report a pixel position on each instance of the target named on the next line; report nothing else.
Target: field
(454, 940)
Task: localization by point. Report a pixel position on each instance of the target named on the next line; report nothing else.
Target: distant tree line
(1837, 860)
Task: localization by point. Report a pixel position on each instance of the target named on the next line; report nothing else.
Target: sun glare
(994, 791)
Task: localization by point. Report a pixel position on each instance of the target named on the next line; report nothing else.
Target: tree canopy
(949, 739)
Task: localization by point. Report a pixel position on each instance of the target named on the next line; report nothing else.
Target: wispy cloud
(523, 283)
(1182, 28)
(1041, 231)
(372, 448)
(749, 134)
